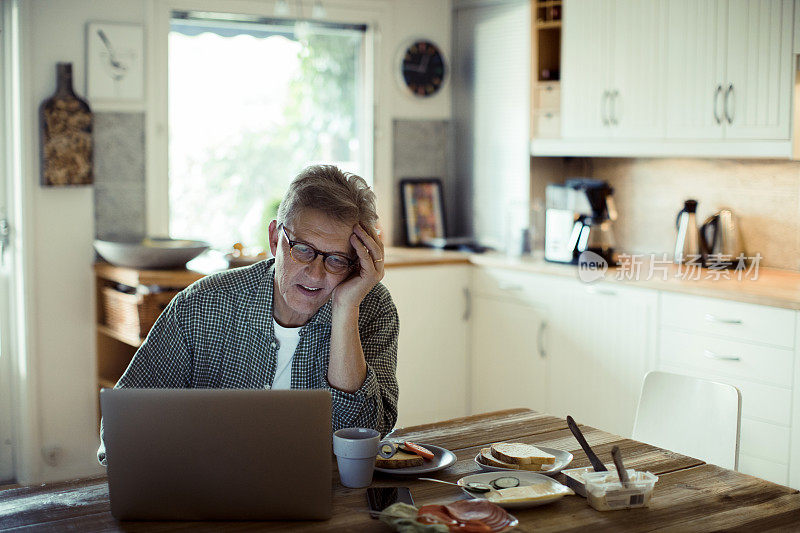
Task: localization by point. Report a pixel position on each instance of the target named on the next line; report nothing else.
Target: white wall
(62, 360)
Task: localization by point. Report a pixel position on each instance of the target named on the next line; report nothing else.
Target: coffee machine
(579, 217)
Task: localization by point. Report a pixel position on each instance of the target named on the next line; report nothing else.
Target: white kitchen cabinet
(611, 88)
(695, 78)
(729, 69)
(751, 347)
(587, 53)
(637, 98)
(759, 69)
(433, 351)
(646, 78)
(600, 345)
(596, 342)
(508, 358)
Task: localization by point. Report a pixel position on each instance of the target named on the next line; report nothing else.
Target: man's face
(301, 289)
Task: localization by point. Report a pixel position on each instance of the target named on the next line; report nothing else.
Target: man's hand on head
(367, 272)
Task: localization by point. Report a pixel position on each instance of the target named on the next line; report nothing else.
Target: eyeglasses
(301, 252)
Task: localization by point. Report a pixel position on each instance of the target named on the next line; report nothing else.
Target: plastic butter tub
(575, 481)
(605, 492)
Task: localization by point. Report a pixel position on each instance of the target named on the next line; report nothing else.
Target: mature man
(313, 317)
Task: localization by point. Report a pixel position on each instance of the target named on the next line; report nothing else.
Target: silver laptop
(218, 454)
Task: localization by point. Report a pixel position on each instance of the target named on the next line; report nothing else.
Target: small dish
(442, 458)
(556, 489)
(562, 460)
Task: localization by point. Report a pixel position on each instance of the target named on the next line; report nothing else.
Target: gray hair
(339, 195)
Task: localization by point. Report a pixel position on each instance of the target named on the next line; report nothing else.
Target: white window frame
(372, 13)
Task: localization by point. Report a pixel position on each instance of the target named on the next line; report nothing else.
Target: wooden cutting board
(66, 135)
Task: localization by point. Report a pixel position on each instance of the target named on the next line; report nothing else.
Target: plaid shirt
(218, 333)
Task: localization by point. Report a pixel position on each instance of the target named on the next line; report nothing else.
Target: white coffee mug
(356, 450)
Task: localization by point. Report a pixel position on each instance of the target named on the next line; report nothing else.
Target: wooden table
(689, 495)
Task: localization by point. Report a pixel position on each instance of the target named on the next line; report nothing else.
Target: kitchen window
(251, 102)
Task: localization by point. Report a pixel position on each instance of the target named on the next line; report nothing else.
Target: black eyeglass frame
(325, 255)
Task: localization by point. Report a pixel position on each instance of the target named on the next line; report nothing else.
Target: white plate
(562, 459)
(442, 458)
(525, 478)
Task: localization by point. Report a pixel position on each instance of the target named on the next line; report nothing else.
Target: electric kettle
(722, 238)
(688, 242)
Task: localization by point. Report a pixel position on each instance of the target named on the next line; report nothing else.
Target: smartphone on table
(379, 498)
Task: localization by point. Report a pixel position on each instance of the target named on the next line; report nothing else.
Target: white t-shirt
(288, 339)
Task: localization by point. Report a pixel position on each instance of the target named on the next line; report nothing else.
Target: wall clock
(422, 68)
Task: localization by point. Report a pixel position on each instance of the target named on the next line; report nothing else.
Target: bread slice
(486, 458)
(521, 454)
(399, 460)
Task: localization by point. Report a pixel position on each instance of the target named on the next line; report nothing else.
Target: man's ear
(274, 237)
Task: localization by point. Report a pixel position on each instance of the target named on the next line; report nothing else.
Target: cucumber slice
(472, 486)
(505, 482)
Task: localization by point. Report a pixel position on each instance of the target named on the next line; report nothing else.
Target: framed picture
(115, 57)
(423, 210)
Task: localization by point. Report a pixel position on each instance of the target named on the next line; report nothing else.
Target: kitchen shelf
(115, 348)
(127, 339)
(547, 14)
(542, 25)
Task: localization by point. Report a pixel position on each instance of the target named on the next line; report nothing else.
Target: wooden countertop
(773, 287)
(180, 277)
(688, 496)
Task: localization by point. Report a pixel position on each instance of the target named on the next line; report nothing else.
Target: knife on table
(597, 464)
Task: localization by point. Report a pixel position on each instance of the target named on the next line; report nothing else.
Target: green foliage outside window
(230, 191)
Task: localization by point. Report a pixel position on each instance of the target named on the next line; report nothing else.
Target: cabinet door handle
(467, 304)
(728, 99)
(717, 93)
(714, 318)
(613, 97)
(604, 108)
(606, 292)
(540, 339)
(713, 355)
(511, 287)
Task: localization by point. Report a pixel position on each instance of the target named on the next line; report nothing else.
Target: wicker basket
(132, 315)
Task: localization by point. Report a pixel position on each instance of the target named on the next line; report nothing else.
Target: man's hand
(367, 272)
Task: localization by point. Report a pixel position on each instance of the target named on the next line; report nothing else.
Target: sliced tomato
(419, 450)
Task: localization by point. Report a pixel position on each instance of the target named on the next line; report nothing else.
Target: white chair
(695, 417)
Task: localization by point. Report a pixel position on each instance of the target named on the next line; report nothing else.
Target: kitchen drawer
(547, 96)
(547, 124)
(764, 469)
(736, 320)
(766, 402)
(756, 362)
(764, 440)
(520, 286)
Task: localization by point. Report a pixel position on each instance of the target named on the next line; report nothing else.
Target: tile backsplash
(764, 194)
(119, 192)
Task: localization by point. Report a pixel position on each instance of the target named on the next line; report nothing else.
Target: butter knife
(597, 464)
(623, 474)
